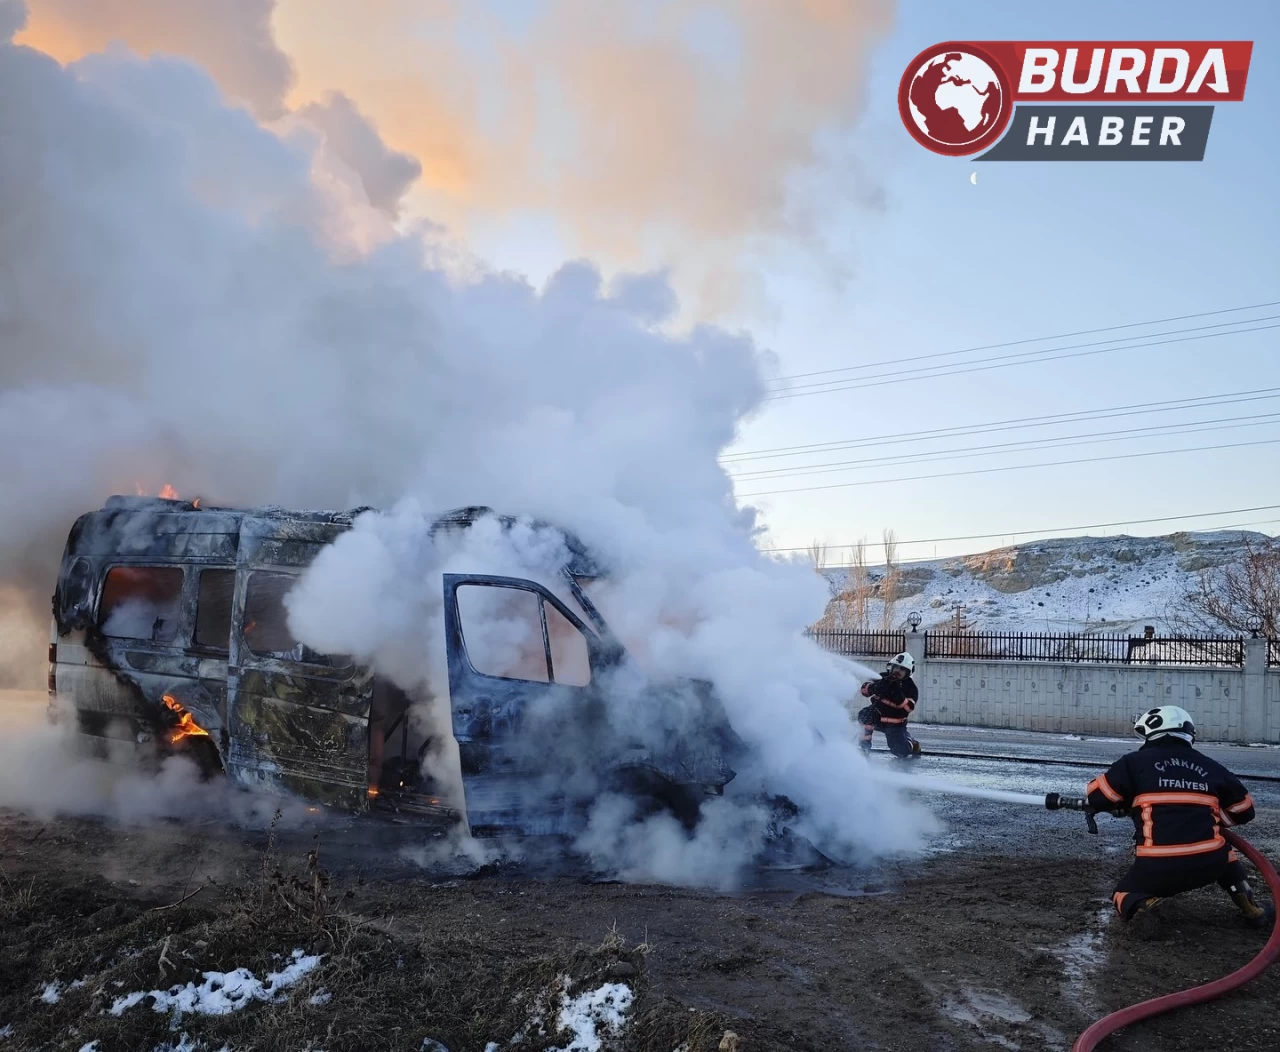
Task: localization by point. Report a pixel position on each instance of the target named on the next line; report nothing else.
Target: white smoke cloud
(181, 305)
(13, 17)
(384, 174)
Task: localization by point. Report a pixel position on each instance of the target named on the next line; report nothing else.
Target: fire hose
(1267, 956)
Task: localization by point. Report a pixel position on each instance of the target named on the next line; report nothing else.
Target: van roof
(130, 525)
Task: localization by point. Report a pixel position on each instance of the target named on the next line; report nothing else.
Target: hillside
(1066, 584)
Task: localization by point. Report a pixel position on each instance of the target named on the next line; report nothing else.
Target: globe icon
(954, 101)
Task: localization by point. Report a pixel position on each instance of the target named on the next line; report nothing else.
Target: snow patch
(321, 997)
(594, 1014)
(92, 1046)
(222, 992)
(6, 1031)
(52, 993)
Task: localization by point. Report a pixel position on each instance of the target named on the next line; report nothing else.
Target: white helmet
(1166, 720)
(902, 661)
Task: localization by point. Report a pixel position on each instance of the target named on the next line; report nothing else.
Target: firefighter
(893, 697)
(1179, 800)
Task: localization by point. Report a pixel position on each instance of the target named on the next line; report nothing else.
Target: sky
(1034, 250)
(754, 149)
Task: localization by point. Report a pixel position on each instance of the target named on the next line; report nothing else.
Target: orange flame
(186, 726)
(167, 492)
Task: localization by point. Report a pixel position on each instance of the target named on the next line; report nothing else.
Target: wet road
(1033, 830)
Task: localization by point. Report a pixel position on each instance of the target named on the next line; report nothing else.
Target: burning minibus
(170, 635)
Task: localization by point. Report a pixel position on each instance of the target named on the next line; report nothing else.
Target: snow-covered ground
(1069, 584)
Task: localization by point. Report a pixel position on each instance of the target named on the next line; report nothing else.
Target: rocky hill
(1061, 585)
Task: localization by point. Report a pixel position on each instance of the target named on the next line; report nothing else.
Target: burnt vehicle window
(141, 602)
(570, 659)
(266, 629)
(502, 632)
(213, 609)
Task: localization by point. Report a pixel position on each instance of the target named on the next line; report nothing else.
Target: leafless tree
(818, 555)
(1239, 596)
(889, 583)
(857, 588)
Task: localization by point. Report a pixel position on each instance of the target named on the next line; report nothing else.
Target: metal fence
(1126, 650)
(1273, 653)
(859, 644)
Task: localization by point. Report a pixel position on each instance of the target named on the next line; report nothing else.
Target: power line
(1010, 467)
(1018, 423)
(1034, 339)
(1031, 356)
(1227, 423)
(897, 379)
(1058, 529)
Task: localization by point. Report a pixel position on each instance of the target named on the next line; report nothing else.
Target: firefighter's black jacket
(1179, 799)
(893, 699)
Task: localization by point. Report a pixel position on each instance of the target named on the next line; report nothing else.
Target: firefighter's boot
(1255, 916)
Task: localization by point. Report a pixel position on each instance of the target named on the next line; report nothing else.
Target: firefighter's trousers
(895, 736)
(1164, 877)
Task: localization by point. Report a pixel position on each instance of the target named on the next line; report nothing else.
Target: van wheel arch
(655, 793)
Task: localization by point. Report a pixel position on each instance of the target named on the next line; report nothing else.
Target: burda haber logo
(1143, 101)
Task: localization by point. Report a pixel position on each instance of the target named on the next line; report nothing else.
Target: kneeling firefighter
(893, 698)
(1178, 799)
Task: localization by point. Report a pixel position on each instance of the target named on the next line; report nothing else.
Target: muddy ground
(973, 949)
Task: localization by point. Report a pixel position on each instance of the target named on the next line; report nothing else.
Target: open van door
(511, 645)
(298, 719)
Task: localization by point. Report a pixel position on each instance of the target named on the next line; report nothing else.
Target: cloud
(232, 39)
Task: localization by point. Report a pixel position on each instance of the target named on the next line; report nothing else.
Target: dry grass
(388, 989)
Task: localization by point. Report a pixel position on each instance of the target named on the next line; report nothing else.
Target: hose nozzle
(1058, 802)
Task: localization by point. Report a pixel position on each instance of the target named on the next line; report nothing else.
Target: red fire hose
(1107, 1026)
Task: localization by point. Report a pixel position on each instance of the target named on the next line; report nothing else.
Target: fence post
(1253, 706)
(915, 647)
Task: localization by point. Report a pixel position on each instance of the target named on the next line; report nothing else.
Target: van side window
(502, 632)
(570, 658)
(141, 602)
(266, 629)
(213, 609)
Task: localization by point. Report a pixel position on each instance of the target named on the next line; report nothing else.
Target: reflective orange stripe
(1201, 799)
(1172, 850)
(1233, 855)
(1148, 802)
(1118, 898)
(1243, 805)
(890, 719)
(1104, 786)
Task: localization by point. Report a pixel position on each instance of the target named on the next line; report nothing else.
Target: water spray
(941, 785)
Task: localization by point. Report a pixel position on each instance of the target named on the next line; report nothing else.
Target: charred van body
(170, 635)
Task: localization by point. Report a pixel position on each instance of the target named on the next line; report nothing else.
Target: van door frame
(496, 783)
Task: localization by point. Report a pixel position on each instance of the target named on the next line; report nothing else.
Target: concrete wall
(1238, 705)
(1273, 704)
